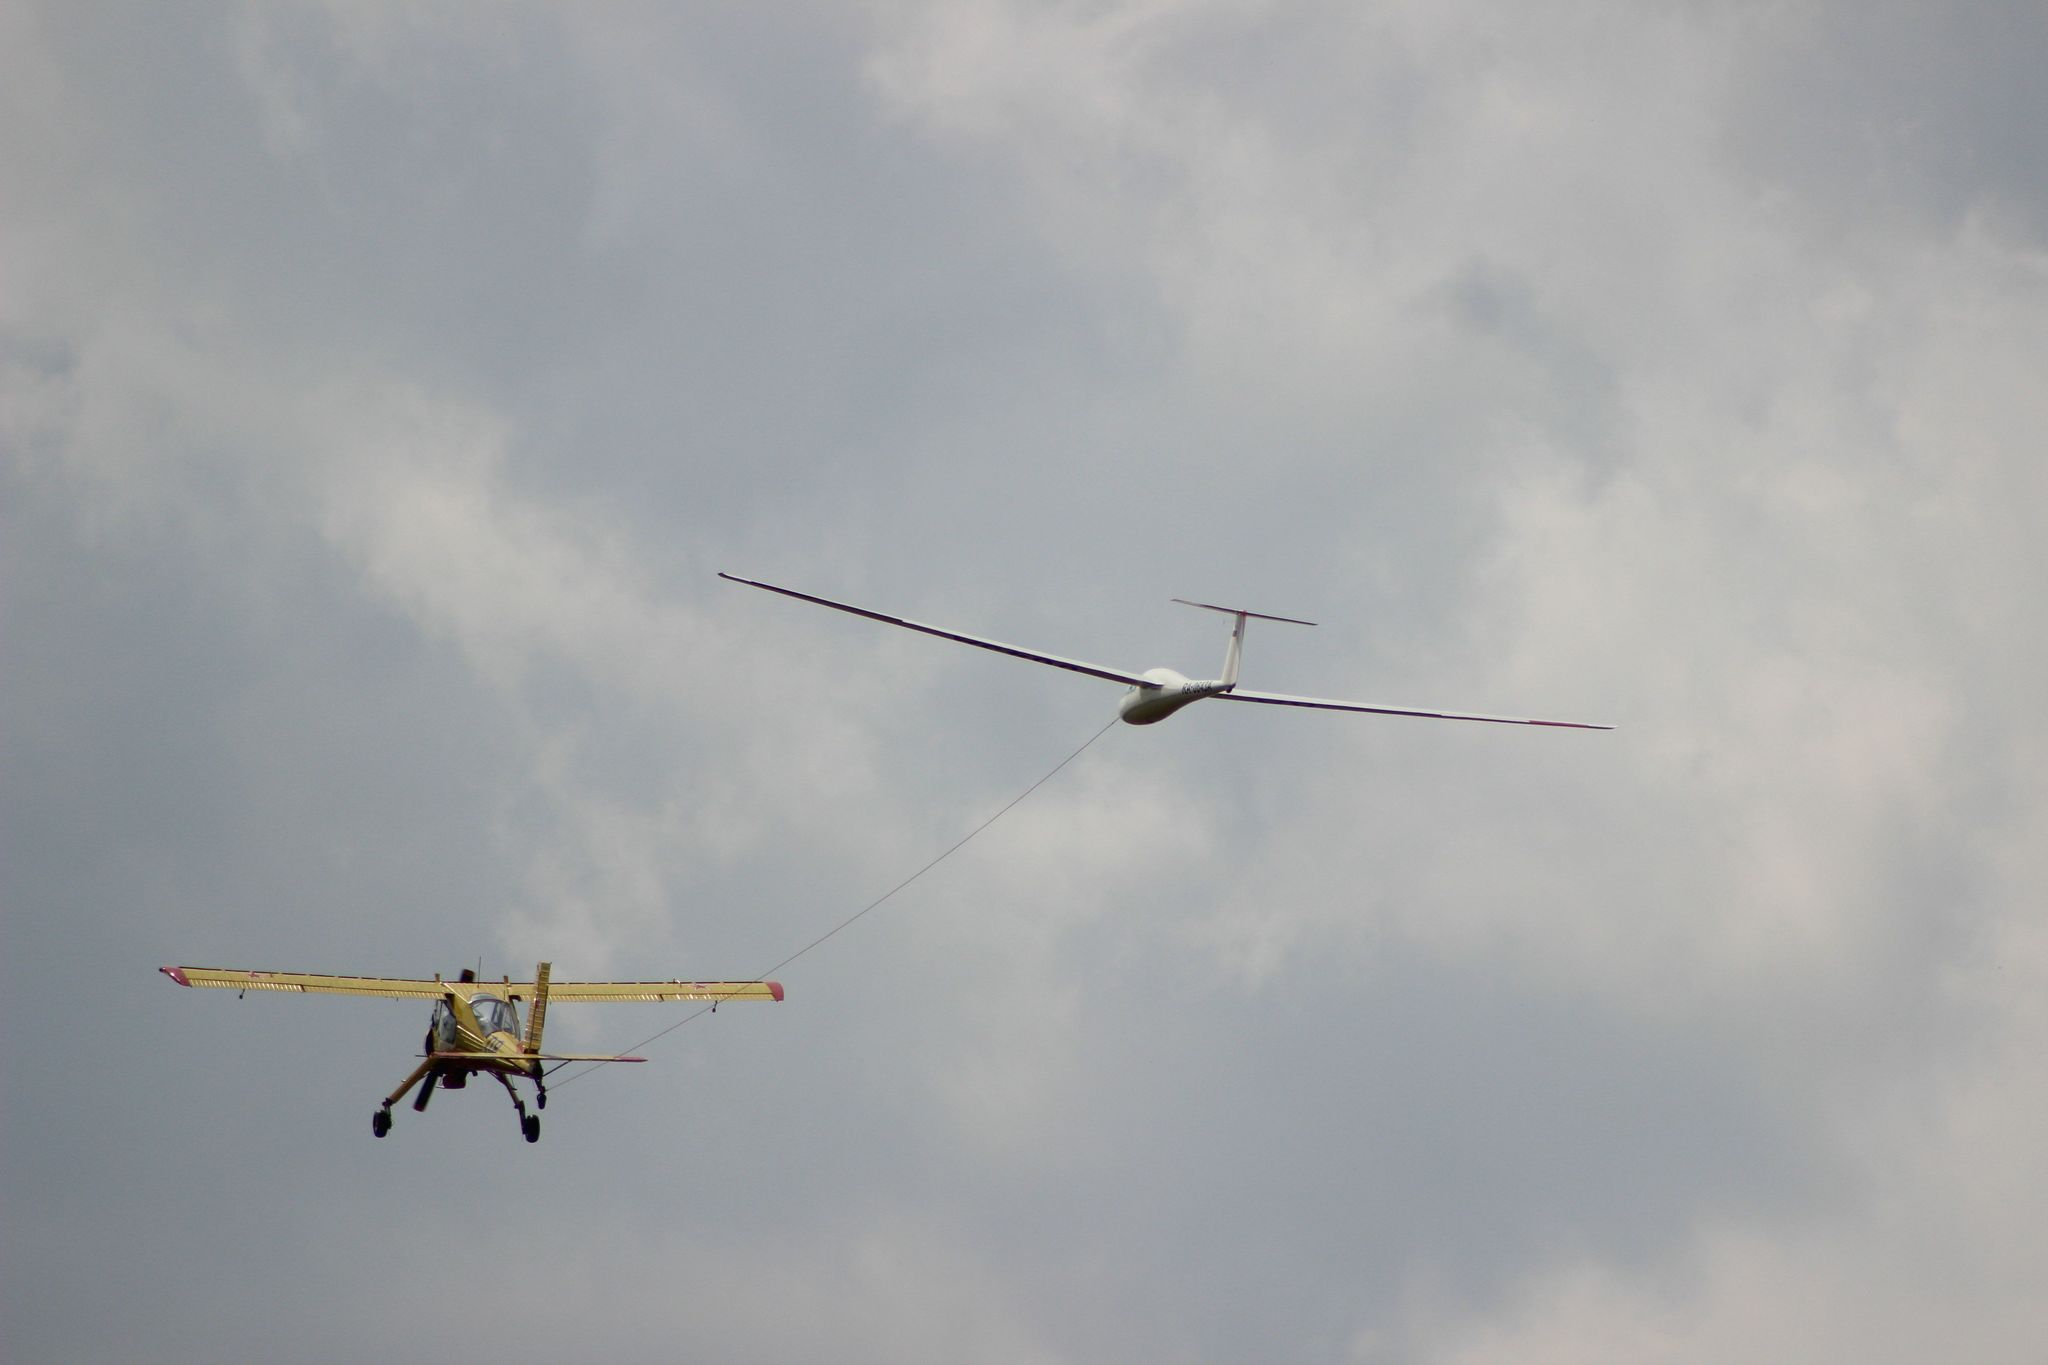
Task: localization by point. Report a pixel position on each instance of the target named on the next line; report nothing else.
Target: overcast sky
(382, 386)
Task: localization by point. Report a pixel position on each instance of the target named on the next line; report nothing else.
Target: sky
(382, 387)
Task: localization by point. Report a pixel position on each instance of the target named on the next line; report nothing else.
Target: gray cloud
(379, 390)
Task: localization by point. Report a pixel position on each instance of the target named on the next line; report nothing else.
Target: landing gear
(427, 1077)
(529, 1124)
(380, 1122)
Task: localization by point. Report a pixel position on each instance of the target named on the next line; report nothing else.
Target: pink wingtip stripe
(176, 974)
(775, 989)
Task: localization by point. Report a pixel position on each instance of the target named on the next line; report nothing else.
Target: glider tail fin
(1234, 653)
(537, 1017)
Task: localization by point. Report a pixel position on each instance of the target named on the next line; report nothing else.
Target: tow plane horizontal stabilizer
(485, 1059)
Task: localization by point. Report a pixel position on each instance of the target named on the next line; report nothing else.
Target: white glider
(1157, 693)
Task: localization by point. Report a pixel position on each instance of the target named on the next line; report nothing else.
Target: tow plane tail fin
(1234, 654)
(537, 1016)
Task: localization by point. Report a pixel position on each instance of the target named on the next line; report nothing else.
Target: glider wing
(1014, 651)
(1321, 704)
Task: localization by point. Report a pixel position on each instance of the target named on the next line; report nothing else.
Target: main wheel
(380, 1122)
(530, 1125)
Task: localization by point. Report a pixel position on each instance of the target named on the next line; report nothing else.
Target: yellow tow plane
(475, 1024)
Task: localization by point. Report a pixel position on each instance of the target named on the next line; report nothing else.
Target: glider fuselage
(1168, 693)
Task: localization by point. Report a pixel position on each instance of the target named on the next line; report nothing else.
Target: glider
(1157, 693)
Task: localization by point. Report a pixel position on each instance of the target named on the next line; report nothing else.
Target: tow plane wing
(402, 988)
(582, 992)
(231, 979)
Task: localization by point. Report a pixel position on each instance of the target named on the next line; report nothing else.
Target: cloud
(379, 393)
(1925, 1263)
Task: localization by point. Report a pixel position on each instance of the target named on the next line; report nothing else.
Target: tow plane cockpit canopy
(494, 1015)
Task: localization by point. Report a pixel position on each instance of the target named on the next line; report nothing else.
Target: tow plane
(474, 1029)
(1156, 693)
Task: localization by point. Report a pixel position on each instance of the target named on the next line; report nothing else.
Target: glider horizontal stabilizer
(1240, 611)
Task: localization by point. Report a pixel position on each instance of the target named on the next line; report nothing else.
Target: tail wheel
(380, 1122)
